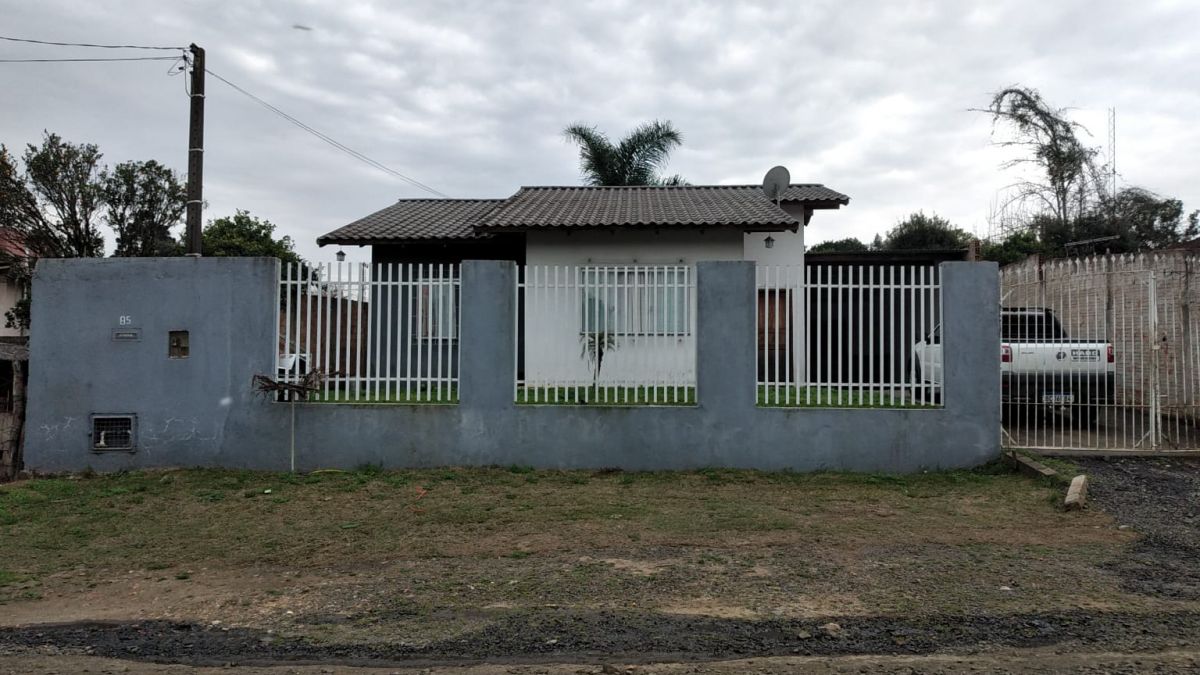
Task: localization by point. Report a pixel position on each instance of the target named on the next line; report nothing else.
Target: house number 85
(125, 320)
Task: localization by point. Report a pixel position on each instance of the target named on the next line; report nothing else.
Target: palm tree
(636, 160)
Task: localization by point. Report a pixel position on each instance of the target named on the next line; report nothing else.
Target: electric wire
(128, 58)
(83, 44)
(323, 137)
(350, 151)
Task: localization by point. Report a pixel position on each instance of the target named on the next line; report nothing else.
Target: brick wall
(1146, 305)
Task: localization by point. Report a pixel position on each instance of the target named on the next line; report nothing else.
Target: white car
(1040, 366)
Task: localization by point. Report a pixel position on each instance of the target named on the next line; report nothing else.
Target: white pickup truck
(1040, 366)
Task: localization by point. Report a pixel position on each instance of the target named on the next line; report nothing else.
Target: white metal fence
(1102, 353)
(849, 335)
(606, 334)
(364, 332)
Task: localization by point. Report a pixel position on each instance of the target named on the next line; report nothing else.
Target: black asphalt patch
(558, 635)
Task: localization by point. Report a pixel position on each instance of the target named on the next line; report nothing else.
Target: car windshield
(1030, 327)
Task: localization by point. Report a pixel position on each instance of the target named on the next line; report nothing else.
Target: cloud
(471, 97)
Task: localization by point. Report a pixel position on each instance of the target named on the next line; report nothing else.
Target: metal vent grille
(113, 432)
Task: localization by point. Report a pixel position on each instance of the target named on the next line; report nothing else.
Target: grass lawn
(769, 396)
(448, 394)
(432, 552)
(790, 396)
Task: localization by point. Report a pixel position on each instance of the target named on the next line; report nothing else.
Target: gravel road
(1160, 499)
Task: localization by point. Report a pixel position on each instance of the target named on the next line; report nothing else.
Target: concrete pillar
(726, 336)
(488, 334)
(971, 339)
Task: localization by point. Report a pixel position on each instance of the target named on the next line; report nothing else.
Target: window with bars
(636, 301)
(113, 432)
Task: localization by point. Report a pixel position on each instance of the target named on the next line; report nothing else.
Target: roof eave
(392, 241)
(745, 227)
(819, 203)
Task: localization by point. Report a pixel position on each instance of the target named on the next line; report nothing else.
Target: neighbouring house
(12, 289)
(630, 248)
(14, 355)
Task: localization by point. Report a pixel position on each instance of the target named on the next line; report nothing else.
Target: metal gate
(1101, 353)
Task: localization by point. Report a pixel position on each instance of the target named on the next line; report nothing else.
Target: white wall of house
(652, 346)
(555, 337)
(626, 247)
(787, 250)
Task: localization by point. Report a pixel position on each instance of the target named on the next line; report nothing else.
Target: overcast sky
(870, 98)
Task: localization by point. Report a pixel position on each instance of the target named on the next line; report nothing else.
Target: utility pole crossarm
(195, 177)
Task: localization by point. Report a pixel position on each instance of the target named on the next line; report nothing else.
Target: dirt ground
(459, 571)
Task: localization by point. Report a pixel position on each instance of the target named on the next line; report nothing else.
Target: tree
(51, 205)
(1148, 221)
(244, 235)
(1013, 248)
(919, 231)
(594, 345)
(848, 245)
(636, 160)
(1135, 220)
(144, 200)
(48, 209)
(1070, 181)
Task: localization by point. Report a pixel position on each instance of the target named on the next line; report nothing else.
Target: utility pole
(195, 183)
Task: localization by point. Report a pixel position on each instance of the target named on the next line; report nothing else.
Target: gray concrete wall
(203, 412)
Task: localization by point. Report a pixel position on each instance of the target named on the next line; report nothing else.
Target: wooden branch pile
(309, 383)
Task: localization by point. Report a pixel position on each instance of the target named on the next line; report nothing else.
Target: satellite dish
(776, 182)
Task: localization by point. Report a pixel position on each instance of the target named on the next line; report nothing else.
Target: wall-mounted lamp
(769, 241)
(341, 256)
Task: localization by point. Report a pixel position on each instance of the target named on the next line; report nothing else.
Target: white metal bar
(436, 318)
(895, 323)
(810, 299)
(872, 347)
(334, 296)
(285, 272)
(518, 328)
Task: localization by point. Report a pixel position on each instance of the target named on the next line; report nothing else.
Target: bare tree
(1070, 182)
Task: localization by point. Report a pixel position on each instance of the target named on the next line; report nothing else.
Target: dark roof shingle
(690, 205)
(542, 207)
(415, 219)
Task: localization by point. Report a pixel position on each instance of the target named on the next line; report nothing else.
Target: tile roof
(415, 219)
(583, 206)
(690, 205)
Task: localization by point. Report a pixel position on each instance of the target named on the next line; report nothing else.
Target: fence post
(971, 339)
(487, 336)
(726, 336)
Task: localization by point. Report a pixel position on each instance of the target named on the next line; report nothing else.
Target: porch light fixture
(769, 241)
(341, 256)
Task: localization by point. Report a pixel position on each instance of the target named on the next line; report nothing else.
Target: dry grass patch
(379, 548)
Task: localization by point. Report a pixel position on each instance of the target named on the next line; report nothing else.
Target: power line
(353, 153)
(83, 44)
(129, 58)
(350, 151)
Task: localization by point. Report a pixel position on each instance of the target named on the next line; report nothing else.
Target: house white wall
(787, 251)
(554, 334)
(555, 337)
(625, 247)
